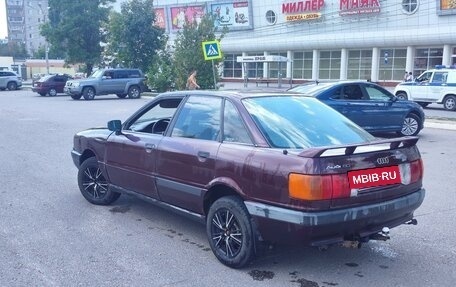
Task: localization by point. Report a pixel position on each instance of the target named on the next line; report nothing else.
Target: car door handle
(203, 154)
(149, 147)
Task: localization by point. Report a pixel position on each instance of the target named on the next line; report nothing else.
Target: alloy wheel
(226, 233)
(94, 183)
(410, 126)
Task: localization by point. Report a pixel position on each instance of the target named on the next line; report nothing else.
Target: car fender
(402, 89)
(444, 94)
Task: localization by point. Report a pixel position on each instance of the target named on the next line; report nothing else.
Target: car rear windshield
(297, 122)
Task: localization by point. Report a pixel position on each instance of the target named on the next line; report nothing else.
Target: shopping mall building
(326, 39)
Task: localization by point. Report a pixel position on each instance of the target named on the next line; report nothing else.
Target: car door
(421, 87)
(3, 79)
(186, 158)
(59, 82)
(131, 155)
(436, 85)
(107, 83)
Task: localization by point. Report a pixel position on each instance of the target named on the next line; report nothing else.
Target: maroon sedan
(255, 167)
(51, 85)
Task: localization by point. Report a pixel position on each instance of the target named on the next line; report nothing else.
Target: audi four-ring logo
(383, 160)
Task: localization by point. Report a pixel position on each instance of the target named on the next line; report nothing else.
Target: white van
(433, 86)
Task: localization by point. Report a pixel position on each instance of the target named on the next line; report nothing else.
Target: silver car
(9, 80)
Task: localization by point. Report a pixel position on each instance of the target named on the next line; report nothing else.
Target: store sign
(296, 11)
(357, 7)
(234, 15)
(160, 17)
(446, 7)
(183, 14)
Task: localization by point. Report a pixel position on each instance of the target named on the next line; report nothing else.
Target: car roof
(238, 94)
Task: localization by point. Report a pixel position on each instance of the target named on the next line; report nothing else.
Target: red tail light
(318, 187)
(417, 171)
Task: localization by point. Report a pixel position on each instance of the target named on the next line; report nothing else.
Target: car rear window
(297, 122)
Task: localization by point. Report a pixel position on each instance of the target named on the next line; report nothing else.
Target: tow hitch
(382, 235)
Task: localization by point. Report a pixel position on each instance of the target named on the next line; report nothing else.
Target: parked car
(369, 105)
(9, 80)
(37, 76)
(51, 84)
(255, 168)
(122, 82)
(433, 86)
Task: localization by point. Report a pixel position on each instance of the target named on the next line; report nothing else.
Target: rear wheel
(88, 93)
(450, 103)
(410, 126)
(229, 231)
(402, 96)
(76, 97)
(122, 96)
(134, 92)
(93, 185)
(12, 86)
(52, 92)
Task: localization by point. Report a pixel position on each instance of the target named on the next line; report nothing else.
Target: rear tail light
(326, 187)
(318, 187)
(411, 172)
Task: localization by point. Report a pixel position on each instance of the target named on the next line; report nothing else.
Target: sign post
(211, 51)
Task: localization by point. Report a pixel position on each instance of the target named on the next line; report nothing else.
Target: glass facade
(255, 70)
(275, 68)
(329, 65)
(426, 58)
(302, 65)
(393, 69)
(231, 68)
(359, 64)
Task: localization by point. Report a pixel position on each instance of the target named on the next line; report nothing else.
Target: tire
(88, 93)
(122, 96)
(134, 92)
(75, 97)
(449, 103)
(410, 126)
(402, 96)
(42, 94)
(12, 86)
(423, 104)
(2, 89)
(230, 233)
(93, 185)
(52, 92)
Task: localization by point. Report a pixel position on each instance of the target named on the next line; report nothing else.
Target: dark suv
(122, 82)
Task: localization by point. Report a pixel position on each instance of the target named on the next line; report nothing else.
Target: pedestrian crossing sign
(211, 50)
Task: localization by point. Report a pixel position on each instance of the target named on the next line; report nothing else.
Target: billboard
(446, 7)
(183, 14)
(234, 15)
(160, 17)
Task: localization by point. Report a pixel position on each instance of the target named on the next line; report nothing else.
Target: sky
(3, 28)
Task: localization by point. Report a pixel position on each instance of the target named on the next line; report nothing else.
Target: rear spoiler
(350, 149)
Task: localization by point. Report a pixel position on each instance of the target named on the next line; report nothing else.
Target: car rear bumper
(332, 226)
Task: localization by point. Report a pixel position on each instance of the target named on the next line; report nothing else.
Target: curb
(440, 124)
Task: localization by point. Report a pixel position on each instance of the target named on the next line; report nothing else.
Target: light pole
(46, 48)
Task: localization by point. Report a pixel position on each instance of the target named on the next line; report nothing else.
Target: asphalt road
(50, 236)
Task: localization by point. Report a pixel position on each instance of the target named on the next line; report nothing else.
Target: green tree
(133, 39)
(161, 74)
(13, 49)
(75, 28)
(188, 54)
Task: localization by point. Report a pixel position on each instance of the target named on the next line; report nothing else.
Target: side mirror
(115, 126)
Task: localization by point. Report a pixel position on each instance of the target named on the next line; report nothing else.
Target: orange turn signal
(309, 187)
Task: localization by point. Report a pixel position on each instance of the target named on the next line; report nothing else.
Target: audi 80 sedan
(369, 105)
(256, 168)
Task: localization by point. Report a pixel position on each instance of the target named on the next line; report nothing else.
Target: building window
(426, 58)
(359, 64)
(231, 68)
(255, 70)
(278, 67)
(271, 17)
(392, 69)
(409, 6)
(302, 65)
(329, 65)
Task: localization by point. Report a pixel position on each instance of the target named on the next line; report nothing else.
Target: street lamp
(46, 48)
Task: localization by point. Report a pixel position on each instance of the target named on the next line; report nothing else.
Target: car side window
(156, 118)
(199, 118)
(234, 129)
(377, 94)
(352, 92)
(424, 77)
(108, 75)
(337, 94)
(439, 77)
